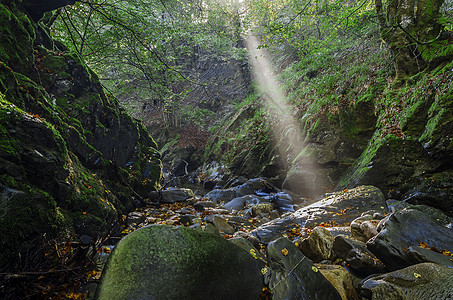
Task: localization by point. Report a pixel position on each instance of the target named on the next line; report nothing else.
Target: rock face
(293, 276)
(422, 281)
(398, 242)
(318, 245)
(163, 262)
(339, 208)
(70, 157)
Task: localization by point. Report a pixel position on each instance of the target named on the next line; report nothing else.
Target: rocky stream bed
(246, 239)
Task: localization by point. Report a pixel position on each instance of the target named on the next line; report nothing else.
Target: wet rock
(163, 262)
(338, 209)
(255, 185)
(357, 256)
(318, 246)
(240, 203)
(172, 195)
(403, 231)
(340, 279)
(421, 281)
(293, 276)
(218, 196)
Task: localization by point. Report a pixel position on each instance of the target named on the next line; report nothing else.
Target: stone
(262, 208)
(218, 196)
(318, 246)
(247, 246)
(357, 256)
(243, 234)
(293, 276)
(172, 195)
(421, 281)
(341, 279)
(164, 262)
(135, 217)
(202, 205)
(186, 219)
(351, 203)
(221, 224)
(255, 185)
(435, 190)
(364, 228)
(403, 231)
(240, 203)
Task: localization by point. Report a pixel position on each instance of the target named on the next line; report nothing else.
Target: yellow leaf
(253, 253)
(416, 275)
(314, 269)
(285, 251)
(264, 271)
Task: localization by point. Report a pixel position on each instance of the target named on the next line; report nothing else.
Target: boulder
(341, 279)
(397, 243)
(357, 256)
(172, 195)
(337, 209)
(435, 191)
(293, 276)
(421, 281)
(240, 203)
(318, 246)
(255, 185)
(218, 196)
(163, 262)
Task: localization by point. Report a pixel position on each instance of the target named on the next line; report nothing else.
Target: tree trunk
(407, 26)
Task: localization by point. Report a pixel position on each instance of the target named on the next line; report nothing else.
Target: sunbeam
(285, 127)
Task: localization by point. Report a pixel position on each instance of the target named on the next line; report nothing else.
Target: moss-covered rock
(163, 262)
(68, 152)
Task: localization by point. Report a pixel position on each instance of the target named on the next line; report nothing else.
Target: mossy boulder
(164, 262)
(74, 159)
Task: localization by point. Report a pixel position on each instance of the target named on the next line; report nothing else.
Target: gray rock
(293, 276)
(318, 246)
(247, 246)
(357, 256)
(421, 281)
(163, 262)
(364, 228)
(240, 203)
(252, 240)
(255, 185)
(218, 196)
(135, 217)
(202, 205)
(172, 195)
(406, 229)
(341, 279)
(351, 203)
(221, 224)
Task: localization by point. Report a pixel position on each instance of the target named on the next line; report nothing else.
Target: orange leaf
(285, 252)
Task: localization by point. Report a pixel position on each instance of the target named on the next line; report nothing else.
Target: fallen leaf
(315, 269)
(285, 251)
(416, 275)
